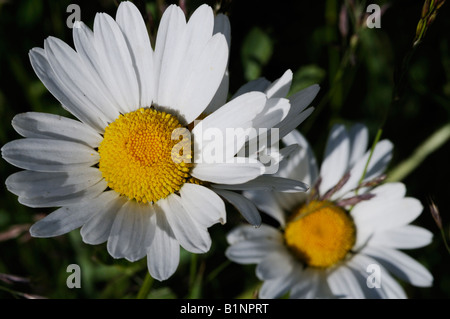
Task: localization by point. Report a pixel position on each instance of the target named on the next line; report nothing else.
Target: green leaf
(305, 76)
(30, 11)
(256, 52)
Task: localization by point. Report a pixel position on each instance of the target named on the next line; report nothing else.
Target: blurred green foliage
(323, 42)
(256, 51)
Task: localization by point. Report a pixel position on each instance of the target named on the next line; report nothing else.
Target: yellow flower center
(320, 234)
(138, 157)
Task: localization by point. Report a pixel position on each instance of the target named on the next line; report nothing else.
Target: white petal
(203, 79)
(275, 264)
(222, 25)
(73, 75)
(267, 203)
(290, 201)
(243, 205)
(388, 286)
(298, 112)
(133, 27)
(47, 155)
(361, 266)
(336, 158)
(251, 251)
(163, 255)
(290, 123)
(343, 283)
(381, 156)
(216, 146)
(228, 173)
(87, 48)
(68, 218)
(359, 137)
(200, 27)
(389, 191)
(221, 96)
(268, 183)
(300, 100)
(280, 87)
(246, 232)
(401, 265)
(205, 206)
(130, 233)
(36, 184)
(190, 234)
(274, 112)
(405, 237)
(202, 67)
(305, 286)
(58, 199)
(97, 229)
(398, 212)
(289, 150)
(247, 106)
(272, 158)
(380, 159)
(391, 288)
(371, 216)
(188, 68)
(311, 284)
(275, 288)
(112, 47)
(259, 85)
(170, 47)
(43, 125)
(63, 94)
(300, 164)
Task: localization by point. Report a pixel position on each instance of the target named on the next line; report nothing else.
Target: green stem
(431, 144)
(335, 86)
(196, 278)
(12, 292)
(375, 142)
(193, 270)
(351, 14)
(445, 240)
(146, 286)
(213, 274)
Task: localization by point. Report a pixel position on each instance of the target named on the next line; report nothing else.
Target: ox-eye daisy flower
(267, 149)
(342, 238)
(123, 171)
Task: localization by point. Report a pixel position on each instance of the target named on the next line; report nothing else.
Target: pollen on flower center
(320, 234)
(137, 155)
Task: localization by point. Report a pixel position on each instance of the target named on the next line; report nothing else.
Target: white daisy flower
(343, 237)
(283, 121)
(122, 172)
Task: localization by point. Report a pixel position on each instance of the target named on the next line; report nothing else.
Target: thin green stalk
(445, 240)
(434, 210)
(193, 269)
(431, 144)
(213, 274)
(351, 15)
(251, 292)
(334, 87)
(375, 142)
(10, 291)
(196, 278)
(146, 286)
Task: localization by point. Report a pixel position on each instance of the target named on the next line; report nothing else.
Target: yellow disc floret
(320, 234)
(137, 156)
